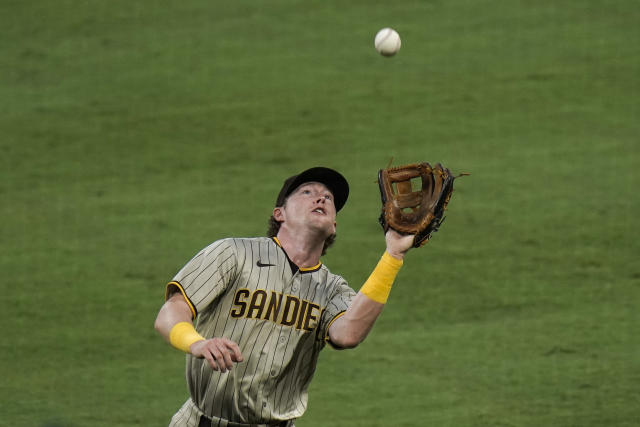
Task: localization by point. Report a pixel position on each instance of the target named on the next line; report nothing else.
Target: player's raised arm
(352, 328)
(414, 198)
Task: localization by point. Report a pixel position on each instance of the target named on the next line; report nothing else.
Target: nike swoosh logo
(259, 264)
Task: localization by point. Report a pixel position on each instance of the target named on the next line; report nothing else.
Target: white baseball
(387, 42)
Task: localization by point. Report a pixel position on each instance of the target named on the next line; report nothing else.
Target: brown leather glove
(419, 208)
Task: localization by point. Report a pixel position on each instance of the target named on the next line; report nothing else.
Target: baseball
(387, 42)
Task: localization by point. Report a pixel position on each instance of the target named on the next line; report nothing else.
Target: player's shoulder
(237, 244)
(247, 242)
(330, 277)
(219, 245)
(335, 284)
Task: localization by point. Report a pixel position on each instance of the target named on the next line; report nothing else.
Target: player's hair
(274, 227)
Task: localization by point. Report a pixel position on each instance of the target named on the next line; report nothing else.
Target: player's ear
(277, 214)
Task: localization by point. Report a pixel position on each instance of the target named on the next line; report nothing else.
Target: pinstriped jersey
(248, 291)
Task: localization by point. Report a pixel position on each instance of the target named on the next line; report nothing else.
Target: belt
(207, 422)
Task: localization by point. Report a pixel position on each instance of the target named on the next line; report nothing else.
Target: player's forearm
(353, 327)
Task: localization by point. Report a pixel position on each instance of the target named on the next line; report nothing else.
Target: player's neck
(304, 249)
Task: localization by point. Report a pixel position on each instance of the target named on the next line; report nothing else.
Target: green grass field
(135, 133)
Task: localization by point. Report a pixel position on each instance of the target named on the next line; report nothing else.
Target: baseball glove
(417, 209)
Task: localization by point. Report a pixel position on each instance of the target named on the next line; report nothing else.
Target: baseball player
(252, 314)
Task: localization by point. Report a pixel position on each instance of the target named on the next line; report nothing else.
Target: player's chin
(324, 228)
(330, 231)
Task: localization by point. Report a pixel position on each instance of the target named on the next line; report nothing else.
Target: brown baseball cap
(334, 181)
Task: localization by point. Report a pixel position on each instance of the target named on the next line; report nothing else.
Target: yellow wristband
(378, 285)
(182, 335)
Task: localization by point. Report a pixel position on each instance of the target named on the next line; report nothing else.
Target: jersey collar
(294, 267)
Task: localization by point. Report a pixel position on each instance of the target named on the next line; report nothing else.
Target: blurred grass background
(135, 133)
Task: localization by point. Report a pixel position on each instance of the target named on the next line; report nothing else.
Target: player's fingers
(207, 355)
(219, 358)
(226, 354)
(236, 354)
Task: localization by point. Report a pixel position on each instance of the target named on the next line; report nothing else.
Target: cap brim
(335, 182)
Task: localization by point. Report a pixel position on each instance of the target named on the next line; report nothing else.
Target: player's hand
(398, 244)
(219, 352)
